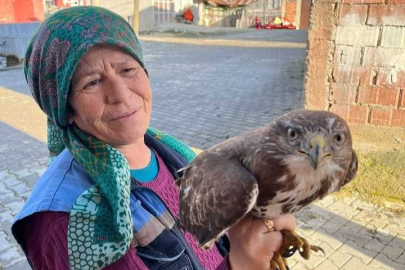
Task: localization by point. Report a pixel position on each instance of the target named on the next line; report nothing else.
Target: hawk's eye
(292, 134)
(339, 138)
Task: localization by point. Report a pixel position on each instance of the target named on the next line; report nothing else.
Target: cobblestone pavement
(203, 95)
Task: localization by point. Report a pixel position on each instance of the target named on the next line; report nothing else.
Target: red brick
(347, 55)
(380, 117)
(354, 75)
(393, 37)
(378, 95)
(384, 57)
(358, 114)
(353, 14)
(363, 1)
(391, 77)
(342, 93)
(402, 104)
(386, 15)
(388, 96)
(329, 1)
(368, 95)
(340, 109)
(395, 1)
(398, 118)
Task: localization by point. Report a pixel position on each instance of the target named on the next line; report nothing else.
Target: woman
(107, 200)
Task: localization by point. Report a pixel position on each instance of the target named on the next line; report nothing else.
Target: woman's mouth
(125, 116)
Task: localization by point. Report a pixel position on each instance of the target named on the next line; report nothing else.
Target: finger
(285, 222)
(272, 241)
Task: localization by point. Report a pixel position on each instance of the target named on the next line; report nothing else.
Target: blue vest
(65, 180)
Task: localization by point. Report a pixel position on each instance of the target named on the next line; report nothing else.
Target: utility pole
(135, 18)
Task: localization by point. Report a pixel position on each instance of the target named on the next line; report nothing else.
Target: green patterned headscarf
(100, 224)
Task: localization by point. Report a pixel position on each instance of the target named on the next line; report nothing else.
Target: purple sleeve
(46, 241)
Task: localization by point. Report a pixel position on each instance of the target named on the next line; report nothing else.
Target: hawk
(280, 168)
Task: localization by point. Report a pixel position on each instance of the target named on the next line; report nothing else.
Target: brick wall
(356, 60)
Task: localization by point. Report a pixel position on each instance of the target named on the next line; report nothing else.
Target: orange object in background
(12, 11)
(188, 16)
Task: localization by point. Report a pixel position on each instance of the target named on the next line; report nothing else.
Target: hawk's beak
(316, 146)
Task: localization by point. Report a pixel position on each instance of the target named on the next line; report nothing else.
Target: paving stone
(343, 209)
(21, 188)
(299, 266)
(382, 261)
(363, 254)
(30, 180)
(401, 259)
(327, 265)
(15, 207)
(375, 245)
(321, 212)
(392, 252)
(8, 198)
(347, 233)
(4, 175)
(348, 200)
(4, 244)
(363, 217)
(360, 205)
(10, 256)
(312, 263)
(339, 259)
(5, 218)
(339, 219)
(12, 181)
(22, 265)
(378, 223)
(22, 173)
(332, 240)
(331, 227)
(40, 171)
(383, 237)
(355, 263)
(325, 202)
(315, 223)
(3, 189)
(395, 229)
(26, 195)
(398, 241)
(354, 226)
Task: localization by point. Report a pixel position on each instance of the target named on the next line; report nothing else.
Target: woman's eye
(129, 70)
(93, 82)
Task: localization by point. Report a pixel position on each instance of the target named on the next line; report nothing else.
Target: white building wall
(125, 8)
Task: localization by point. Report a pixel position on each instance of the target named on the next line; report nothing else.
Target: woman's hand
(252, 246)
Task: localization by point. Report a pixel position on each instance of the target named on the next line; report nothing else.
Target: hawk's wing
(215, 193)
(351, 173)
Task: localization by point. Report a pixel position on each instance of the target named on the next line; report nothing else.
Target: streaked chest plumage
(309, 185)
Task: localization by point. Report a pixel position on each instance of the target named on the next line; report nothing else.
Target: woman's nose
(118, 90)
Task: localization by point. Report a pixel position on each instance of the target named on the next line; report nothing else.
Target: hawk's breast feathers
(280, 168)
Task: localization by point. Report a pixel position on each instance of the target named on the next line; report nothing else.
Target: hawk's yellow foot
(278, 262)
(293, 242)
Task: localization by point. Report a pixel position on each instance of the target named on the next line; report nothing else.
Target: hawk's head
(315, 143)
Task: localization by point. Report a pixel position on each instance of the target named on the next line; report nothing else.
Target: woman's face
(111, 97)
